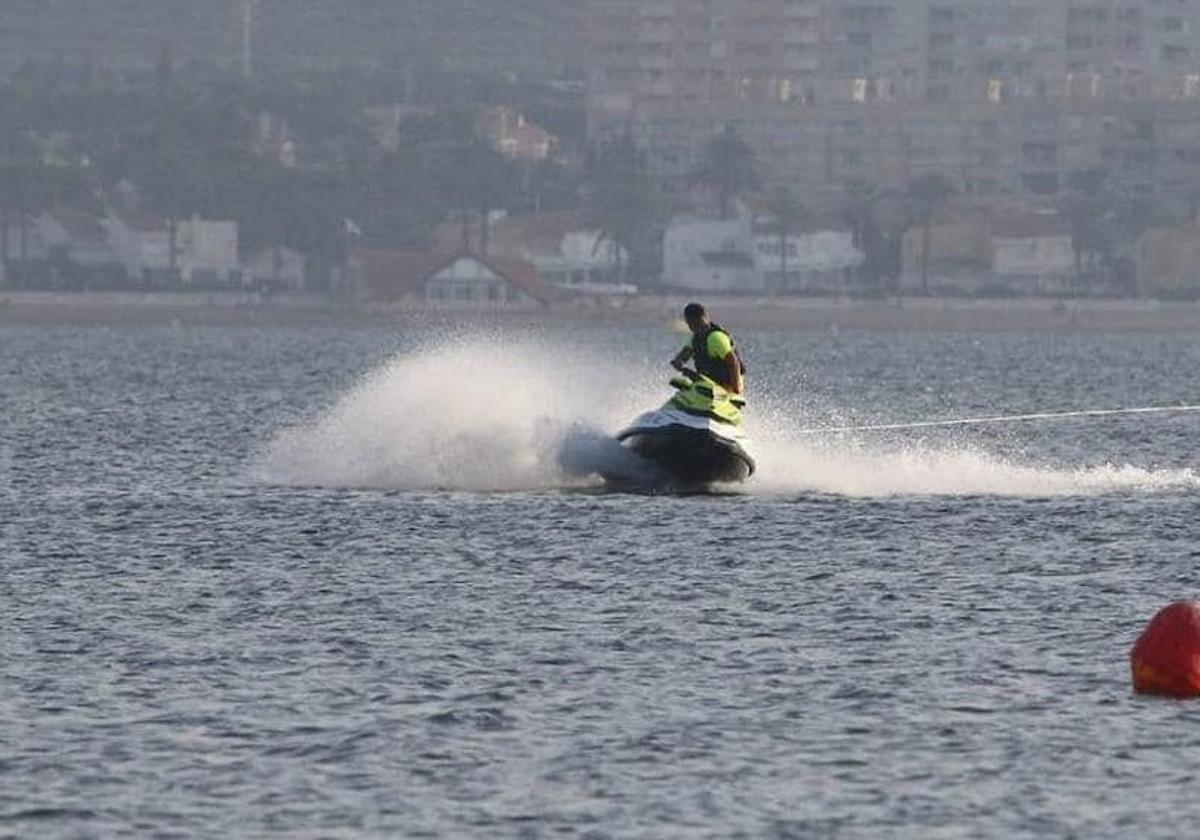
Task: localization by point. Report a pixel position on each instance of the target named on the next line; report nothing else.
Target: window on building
(941, 16)
(1043, 154)
(1041, 183)
(1174, 53)
(941, 68)
(985, 186)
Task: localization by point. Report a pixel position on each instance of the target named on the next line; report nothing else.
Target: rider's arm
(681, 357)
(733, 369)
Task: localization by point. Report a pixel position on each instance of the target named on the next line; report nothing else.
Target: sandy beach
(39, 309)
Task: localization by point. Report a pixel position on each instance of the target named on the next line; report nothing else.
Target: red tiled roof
(389, 276)
(549, 227)
(524, 276)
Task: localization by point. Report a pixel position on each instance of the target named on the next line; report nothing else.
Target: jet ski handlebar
(706, 386)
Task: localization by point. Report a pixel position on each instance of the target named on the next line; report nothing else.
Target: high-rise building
(1003, 96)
(673, 70)
(531, 38)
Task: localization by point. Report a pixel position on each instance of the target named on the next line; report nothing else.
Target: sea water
(335, 582)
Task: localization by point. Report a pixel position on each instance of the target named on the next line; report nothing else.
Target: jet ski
(696, 438)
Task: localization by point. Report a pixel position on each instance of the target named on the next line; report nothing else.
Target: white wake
(496, 413)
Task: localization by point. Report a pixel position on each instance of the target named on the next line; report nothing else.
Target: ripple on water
(886, 638)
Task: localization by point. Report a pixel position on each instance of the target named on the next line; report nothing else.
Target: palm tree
(787, 213)
(1085, 205)
(29, 188)
(622, 203)
(170, 181)
(13, 176)
(861, 213)
(623, 212)
(928, 193)
(188, 159)
(727, 165)
(472, 177)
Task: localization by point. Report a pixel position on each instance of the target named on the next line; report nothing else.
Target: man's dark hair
(694, 312)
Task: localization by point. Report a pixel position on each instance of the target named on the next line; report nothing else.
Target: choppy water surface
(329, 583)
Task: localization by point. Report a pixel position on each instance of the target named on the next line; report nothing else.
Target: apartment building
(1003, 96)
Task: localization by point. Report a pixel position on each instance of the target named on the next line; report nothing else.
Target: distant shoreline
(936, 314)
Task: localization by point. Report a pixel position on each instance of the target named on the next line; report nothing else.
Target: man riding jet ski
(711, 350)
(696, 438)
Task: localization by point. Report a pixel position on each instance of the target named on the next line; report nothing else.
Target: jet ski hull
(692, 451)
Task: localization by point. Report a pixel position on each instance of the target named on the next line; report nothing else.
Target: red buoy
(1166, 657)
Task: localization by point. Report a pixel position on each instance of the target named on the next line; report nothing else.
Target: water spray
(1009, 418)
(529, 437)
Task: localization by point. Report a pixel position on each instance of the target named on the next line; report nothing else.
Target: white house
(81, 236)
(207, 252)
(739, 256)
(470, 281)
(1033, 253)
(567, 252)
(70, 244)
(463, 281)
(819, 260)
(75, 234)
(582, 263)
(278, 269)
(142, 243)
(711, 255)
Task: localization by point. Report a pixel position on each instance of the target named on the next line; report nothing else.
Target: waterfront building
(1004, 97)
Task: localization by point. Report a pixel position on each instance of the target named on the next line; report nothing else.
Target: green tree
(290, 208)
(472, 178)
(488, 182)
(927, 194)
(17, 194)
(621, 203)
(728, 166)
(1127, 218)
(865, 211)
(188, 159)
(787, 213)
(622, 211)
(1086, 205)
(28, 187)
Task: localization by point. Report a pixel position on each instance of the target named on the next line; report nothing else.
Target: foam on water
(493, 413)
(485, 413)
(859, 469)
